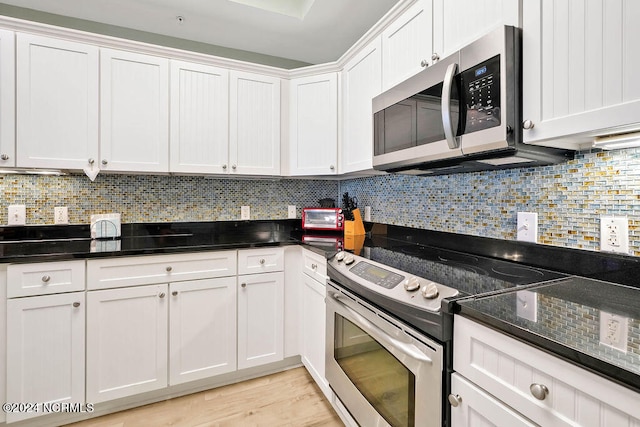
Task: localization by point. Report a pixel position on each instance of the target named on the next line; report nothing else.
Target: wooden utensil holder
(355, 227)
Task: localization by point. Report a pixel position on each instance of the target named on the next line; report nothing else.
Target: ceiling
(308, 31)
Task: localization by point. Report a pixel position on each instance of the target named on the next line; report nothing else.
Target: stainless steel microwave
(463, 113)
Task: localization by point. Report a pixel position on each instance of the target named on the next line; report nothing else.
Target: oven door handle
(408, 349)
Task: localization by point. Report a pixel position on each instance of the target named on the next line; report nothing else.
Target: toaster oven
(322, 219)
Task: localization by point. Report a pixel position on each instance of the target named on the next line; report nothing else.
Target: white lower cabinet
(512, 371)
(126, 341)
(45, 352)
(202, 329)
(260, 319)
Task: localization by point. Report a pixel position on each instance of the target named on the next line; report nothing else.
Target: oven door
(382, 374)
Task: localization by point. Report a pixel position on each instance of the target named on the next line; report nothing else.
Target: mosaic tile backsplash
(569, 198)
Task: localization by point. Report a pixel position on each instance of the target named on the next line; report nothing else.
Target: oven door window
(385, 382)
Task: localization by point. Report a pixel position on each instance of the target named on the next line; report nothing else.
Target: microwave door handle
(449, 132)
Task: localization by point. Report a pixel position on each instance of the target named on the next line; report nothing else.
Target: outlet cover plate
(60, 215)
(527, 227)
(527, 305)
(245, 212)
(614, 234)
(614, 331)
(291, 212)
(17, 215)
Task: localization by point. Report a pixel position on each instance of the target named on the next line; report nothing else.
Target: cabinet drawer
(314, 265)
(507, 368)
(45, 278)
(263, 260)
(147, 270)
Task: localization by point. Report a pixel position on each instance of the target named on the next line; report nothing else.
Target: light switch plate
(17, 215)
(527, 305)
(245, 212)
(527, 227)
(291, 212)
(614, 234)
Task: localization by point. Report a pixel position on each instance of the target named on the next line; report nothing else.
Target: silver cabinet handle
(262, 261)
(162, 295)
(76, 304)
(174, 293)
(455, 400)
(233, 167)
(243, 285)
(332, 167)
(447, 123)
(4, 157)
(528, 124)
(168, 269)
(539, 391)
(424, 63)
(435, 57)
(91, 161)
(314, 266)
(104, 162)
(46, 279)
(224, 167)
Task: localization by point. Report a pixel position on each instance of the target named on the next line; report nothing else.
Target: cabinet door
(126, 341)
(254, 116)
(45, 351)
(202, 329)
(457, 23)
(407, 44)
(362, 81)
(56, 103)
(7, 99)
(479, 409)
(199, 118)
(313, 330)
(580, 67)
(134, 112)
(314, 125)
(260, 319)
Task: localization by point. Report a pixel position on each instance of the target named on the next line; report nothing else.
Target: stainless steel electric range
(389, 326)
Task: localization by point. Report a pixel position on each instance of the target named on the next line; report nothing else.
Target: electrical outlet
(245, 212)
(527, 305)
(614, 331)
(527, 227)
(614, 234)
(61, 215)
(17, 215)
(291, 212)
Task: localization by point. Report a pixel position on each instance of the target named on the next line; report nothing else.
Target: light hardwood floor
(289, 398)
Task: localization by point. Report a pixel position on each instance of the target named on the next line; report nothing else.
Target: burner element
(517, 271)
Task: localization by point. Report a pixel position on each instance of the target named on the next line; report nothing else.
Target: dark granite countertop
(568, 323)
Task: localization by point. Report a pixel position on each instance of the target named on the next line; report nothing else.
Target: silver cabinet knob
(174, 293)
(528, 124)
(91, 161)
(314, 266)
(168, 269)
(424, 63)
(435, 57)
(224, 167)
(332, 167)
(233, 167)
(162, 295)
(46, 279)
(243, 285)
(262, 261)
(104, 162)
(455, 400)
(4, 156)
(539, 391)
(76, 304)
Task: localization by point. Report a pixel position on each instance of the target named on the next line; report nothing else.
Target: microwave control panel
(481, 93)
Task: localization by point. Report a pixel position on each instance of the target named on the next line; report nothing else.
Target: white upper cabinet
(362, 81)
(199, 118)
(407, 44)
(581, 64)
(314, 125)
(456, 23)
(134, 112)
(254, 117)
(7, 99)
(57, 103)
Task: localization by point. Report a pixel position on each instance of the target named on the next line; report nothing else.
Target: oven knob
(349, 259)
(412, 284)
(340, 256)
(430, 291)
